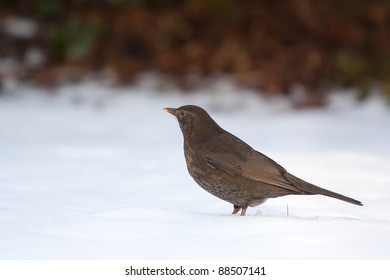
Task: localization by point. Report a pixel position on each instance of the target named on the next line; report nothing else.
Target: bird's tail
(309, 188)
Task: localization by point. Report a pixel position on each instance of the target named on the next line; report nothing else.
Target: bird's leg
(236, 209)
(243, 211)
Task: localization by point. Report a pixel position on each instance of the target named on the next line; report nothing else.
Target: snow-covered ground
(98, 173)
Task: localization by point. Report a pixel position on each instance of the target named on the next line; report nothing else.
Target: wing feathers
(254, 169)
(236, 158)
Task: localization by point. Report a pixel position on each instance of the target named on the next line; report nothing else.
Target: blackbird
(230, 169)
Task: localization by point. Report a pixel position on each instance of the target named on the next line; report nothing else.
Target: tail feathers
(308, 188)
(318, 190)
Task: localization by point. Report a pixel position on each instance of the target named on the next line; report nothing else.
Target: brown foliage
(264, 44)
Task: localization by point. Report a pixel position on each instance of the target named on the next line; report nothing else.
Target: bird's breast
(212, 180)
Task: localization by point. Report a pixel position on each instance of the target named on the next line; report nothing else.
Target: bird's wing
(235, 157)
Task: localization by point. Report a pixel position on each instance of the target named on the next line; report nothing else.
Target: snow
(98, 172)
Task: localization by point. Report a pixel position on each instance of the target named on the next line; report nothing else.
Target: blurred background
(271, 47)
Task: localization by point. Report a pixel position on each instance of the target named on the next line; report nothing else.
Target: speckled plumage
(230, 169)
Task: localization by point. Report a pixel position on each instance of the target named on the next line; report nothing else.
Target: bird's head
(195, 123)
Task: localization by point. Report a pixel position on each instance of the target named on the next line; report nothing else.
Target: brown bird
(230, 169)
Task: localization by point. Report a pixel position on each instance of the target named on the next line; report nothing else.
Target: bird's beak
(172, 111)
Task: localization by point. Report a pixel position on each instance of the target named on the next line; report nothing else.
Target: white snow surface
(98, 172)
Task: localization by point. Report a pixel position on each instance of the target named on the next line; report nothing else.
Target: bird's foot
(236, 209)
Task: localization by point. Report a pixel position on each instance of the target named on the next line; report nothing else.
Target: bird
(230, 169)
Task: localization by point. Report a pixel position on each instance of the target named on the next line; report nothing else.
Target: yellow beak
(170, 110)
